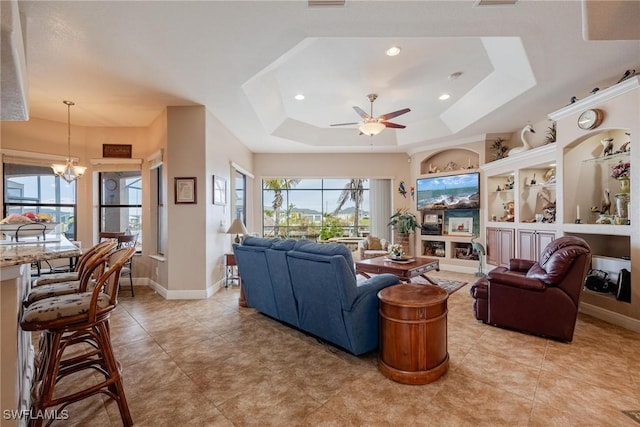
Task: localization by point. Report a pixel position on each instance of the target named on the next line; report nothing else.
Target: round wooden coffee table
(413, 333)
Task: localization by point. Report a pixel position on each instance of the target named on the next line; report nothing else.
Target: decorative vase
(622, 205)
(625, 184)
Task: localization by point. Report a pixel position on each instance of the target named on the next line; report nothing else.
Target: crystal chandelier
(68, 171)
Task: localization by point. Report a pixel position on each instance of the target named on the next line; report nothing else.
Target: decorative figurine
(525, 144)
(477, 247)
(606, 202)
(413, 192)
(607, 143)
(627, 75)
(402, 190)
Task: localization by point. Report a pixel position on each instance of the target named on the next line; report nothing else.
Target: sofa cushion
(259, 241)
(284, 245)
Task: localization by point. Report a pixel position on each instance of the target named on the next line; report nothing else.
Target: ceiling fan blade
(362, 113)
(394, 114)
(393, 125)
(345, 124)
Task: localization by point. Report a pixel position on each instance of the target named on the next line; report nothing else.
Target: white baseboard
(182, 294)
(610, 316)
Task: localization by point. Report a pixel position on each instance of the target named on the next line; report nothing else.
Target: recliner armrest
(516, 281)
(521, 265)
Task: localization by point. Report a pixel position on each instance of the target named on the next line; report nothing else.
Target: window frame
(35, 207)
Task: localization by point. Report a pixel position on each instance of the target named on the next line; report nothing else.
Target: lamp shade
(237, 227)
(372, 128)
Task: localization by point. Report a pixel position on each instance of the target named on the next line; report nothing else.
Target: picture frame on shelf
(185, 190)
(219, 190)
(462, 226)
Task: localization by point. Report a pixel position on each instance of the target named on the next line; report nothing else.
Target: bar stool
(125, 241)
(102, 247)
(69, 319)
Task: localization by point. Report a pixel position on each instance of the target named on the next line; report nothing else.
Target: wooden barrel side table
(413, 333)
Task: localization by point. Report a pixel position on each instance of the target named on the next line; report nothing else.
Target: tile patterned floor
(211, 363)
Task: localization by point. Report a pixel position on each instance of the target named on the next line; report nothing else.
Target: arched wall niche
(592, 142)
(453, 159)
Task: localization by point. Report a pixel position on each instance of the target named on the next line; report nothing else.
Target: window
(161, 239)
(121, 203)
(315, 208)
(30, 188)
(240, 185)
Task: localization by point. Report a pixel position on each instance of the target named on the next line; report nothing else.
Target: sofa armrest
(369, 288)
(520, 265)
(516, 281)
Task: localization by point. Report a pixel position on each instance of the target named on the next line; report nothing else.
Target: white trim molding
(610, 316)
(242, 170)
(115, 161)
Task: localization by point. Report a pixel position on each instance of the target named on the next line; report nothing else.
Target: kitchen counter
(16, 350)
(33, 250)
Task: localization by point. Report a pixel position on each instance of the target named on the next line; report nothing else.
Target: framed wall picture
(219, 190)
(122, 151)
(185, 190)
(460, 226)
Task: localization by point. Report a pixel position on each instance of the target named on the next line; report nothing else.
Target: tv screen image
(460, 191)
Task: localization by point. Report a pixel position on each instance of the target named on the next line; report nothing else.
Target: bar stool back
(124, 241)
(102, 247)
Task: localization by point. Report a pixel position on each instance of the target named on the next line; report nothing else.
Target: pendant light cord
(69, 104)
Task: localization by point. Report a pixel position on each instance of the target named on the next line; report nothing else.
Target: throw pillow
(374, 243)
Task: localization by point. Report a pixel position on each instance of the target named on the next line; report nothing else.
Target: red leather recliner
(536, 297)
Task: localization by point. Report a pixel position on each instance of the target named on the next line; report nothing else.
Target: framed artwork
(462, 226)
(219, 190)
(185, 190)
(122, 151)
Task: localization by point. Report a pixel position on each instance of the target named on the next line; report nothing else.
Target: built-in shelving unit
(585, 188)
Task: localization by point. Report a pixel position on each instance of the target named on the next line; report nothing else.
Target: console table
(413, 333)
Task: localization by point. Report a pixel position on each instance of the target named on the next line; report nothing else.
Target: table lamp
(237, 227)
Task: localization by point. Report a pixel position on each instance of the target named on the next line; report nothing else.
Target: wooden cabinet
(500, 246)
(532, 242)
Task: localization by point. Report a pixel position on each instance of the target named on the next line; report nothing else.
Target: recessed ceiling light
(299, 97)
(393, 51)
(444, 97)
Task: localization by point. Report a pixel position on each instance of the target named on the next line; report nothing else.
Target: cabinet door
(543, 239)
(493, 250)
(506, 247)
(527, 247)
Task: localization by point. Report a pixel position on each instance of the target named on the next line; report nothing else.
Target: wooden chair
(69, 319)
(125, 241)
(113, 235)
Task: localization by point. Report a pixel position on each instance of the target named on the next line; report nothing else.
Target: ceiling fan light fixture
(372, 128)
(393, 51)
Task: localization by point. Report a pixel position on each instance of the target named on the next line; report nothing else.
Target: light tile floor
(211, 363)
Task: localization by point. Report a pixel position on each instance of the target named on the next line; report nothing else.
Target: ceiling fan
(374, 125)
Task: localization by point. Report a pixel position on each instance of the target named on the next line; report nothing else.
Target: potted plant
(404, 223)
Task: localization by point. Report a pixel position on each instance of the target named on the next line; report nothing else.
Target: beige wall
(194, 143)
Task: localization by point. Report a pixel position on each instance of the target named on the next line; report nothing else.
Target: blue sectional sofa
(312, 287)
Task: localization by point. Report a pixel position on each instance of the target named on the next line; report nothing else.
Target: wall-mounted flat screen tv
(460, 191)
